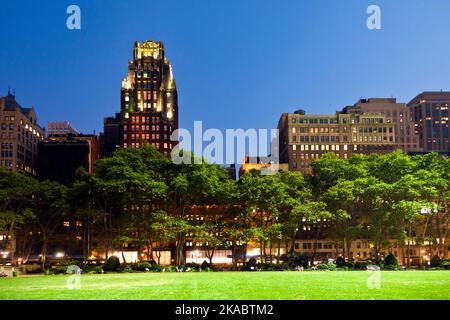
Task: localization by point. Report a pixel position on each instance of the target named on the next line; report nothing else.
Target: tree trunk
(44, 250)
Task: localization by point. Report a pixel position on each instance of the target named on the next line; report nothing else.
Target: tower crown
(148, 49)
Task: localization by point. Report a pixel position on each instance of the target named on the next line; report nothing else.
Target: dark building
(19, 135)
(110, 138)
(149, 103)
(61, 155)
(430, 114)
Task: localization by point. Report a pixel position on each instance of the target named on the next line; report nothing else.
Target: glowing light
(59, 255)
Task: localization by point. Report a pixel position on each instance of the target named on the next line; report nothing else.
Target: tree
(16, 196)
(50, 206)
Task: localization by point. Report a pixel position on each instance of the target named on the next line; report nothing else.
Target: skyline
(321, 47)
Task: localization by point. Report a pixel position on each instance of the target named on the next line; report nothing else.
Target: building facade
(431, 117)
(304, 138)
(399, 115)
(55, 128)
(149, 99)
(19, 137)
(110, 137)
(61, 155)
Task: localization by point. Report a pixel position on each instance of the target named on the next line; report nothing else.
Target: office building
(19, 135)
(304, 138)
(149, 102)
(60, 156)
(55, 128)
(430, 114)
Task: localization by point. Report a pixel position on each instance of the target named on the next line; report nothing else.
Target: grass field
(235, 285)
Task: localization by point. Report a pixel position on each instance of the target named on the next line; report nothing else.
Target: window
(66, 224)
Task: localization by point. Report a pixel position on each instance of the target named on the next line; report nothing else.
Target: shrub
(390, 260)
(15, 274)
(170, 268)
(286, 267)
(360, 265)
(205, 265)
(327, 267)
(340, 262)
(92, 269)
(436, 262)
(268, 267)
(445, 264)
(391, 267)
(124, 269)
(112, 264)
(251, 265)
(142, 266)
(59, 270)
(72, 262)
(350, 265)
(295, 260)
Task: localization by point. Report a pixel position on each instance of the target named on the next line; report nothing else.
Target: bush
(445, 264)
(124, 269)
(170, 269)
(360, 265)
(340, 262)
(295, 260)
(268, 267)
(59, 270)
(349, 265)
(112, 264)
(205, 265)
(436, 262)
(390, 260)
(327, 267)
(92, 269)
(142, 266)
(251, 265)
(287, 267)
(72, 262)
(391, 267)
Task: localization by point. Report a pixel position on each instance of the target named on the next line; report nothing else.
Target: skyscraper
(431, 117)
(149, 99)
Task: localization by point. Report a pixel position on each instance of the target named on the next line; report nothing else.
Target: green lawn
(235, 285)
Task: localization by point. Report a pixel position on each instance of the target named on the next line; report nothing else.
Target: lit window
(66, 224)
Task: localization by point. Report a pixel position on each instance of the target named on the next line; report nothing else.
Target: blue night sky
(238, 64)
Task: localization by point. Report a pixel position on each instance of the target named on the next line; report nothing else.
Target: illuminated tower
(149, 99)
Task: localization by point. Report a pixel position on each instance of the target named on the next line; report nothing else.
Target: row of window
(144, 136)
(144, 119)
(323, 147)
(155, 144)
(144, 127)
(8, 118)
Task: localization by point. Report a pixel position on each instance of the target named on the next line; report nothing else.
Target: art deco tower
(149, 99)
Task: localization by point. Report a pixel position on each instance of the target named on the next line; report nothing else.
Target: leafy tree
(16, 201)
(51, 207)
